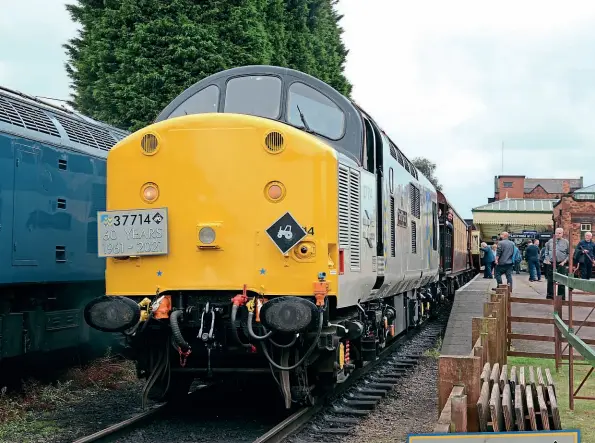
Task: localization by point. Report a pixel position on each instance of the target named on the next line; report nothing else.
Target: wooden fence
(477, 393)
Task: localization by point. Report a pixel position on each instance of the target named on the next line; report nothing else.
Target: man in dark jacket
(488, 259)
(532, 257)
(504, 259)
(584, 256)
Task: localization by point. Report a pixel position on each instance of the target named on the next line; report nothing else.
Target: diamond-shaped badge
(286, 232)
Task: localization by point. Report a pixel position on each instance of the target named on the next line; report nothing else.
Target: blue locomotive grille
(87, 135)
(26, 117)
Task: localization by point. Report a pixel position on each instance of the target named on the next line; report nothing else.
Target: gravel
(73, 407)
(411, 408)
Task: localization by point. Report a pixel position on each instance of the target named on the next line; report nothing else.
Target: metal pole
(570, 328)
(557, 344)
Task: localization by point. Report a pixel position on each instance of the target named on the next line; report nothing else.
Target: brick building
(576, 211)
(521, 187)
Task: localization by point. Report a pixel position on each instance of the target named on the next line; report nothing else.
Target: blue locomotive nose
(112, 314)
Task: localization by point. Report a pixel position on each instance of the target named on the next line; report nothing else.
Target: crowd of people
(504, 257)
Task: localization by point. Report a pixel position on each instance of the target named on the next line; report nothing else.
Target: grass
(19, 411)
(583, 416)
(435, 351)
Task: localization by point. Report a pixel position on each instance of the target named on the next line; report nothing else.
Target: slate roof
(519, 205)
(552, 185)
(586, 190)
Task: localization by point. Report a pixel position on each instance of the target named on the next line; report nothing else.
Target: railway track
(336, 414)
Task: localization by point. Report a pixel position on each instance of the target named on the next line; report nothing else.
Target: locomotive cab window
(205, 100)
(256, 95)
(320, 113)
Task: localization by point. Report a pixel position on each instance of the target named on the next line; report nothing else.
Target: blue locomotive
(52, 183)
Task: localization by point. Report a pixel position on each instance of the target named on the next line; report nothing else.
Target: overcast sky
(450, 81)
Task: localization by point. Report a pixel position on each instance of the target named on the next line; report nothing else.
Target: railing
(567, 331)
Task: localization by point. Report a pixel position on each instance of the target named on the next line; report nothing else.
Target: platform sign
(132, 233)
(565, 436)
(286, 232)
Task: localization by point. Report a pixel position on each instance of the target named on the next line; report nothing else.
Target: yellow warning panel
(566, 436)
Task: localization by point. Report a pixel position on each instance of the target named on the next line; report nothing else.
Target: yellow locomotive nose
(260, 220)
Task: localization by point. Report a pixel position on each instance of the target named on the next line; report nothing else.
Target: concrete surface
(468, 303)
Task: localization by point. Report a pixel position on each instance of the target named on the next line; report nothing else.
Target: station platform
(468, 303)
(533, 335)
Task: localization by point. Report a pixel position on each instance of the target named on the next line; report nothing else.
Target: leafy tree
(427, 168)
(132, 57)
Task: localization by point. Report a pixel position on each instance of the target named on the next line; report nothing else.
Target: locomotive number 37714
(125, 233)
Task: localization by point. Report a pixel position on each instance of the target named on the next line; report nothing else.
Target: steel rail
(301, 417)
(280, 431)
(126, 425)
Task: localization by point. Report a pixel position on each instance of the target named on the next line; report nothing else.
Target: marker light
(150, 192)
(274, 191)
(206, 235)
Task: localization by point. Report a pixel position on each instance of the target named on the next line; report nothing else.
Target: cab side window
(370, 147)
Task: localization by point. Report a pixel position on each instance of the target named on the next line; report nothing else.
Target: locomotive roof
(32, 118)
(276, 93)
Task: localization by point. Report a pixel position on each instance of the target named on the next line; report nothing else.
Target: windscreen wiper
(303, 119)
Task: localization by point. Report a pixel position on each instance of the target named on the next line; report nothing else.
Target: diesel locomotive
(265, 223)
(52, 184)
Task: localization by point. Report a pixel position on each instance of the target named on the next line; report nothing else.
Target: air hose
(306, 355)
(251, 331)
(234, 314)
(175, 329)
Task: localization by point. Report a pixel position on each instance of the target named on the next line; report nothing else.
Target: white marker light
(206, 235)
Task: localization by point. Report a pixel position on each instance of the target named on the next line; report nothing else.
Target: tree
(427, 168)
(131, 58)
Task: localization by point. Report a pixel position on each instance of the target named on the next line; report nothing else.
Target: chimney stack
(565, 187)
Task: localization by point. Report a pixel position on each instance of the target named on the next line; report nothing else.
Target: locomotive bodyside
(52, 183)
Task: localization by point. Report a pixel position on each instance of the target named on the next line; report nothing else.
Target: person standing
(532, 257)
(584, 256)
(488, 260)
(504, 259)
(494, 247)
(516, 259)
(562, 249)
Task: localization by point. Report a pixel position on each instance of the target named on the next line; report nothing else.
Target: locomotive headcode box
(565, 436)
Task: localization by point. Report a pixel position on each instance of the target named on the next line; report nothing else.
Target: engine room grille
(415, 200)
(349, 214)
(413, 237)
(26, 117)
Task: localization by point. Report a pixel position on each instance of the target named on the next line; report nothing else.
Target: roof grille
(87, 135)
(27, 117)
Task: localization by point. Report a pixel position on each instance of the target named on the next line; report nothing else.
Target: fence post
(458, 414)
(464, 371)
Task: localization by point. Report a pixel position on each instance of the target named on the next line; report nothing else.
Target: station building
(522, 218)
(521, 187)
(576, 212)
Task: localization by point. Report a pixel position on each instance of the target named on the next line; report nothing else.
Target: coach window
(257, 95)
(205, 100)
(320, 113)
